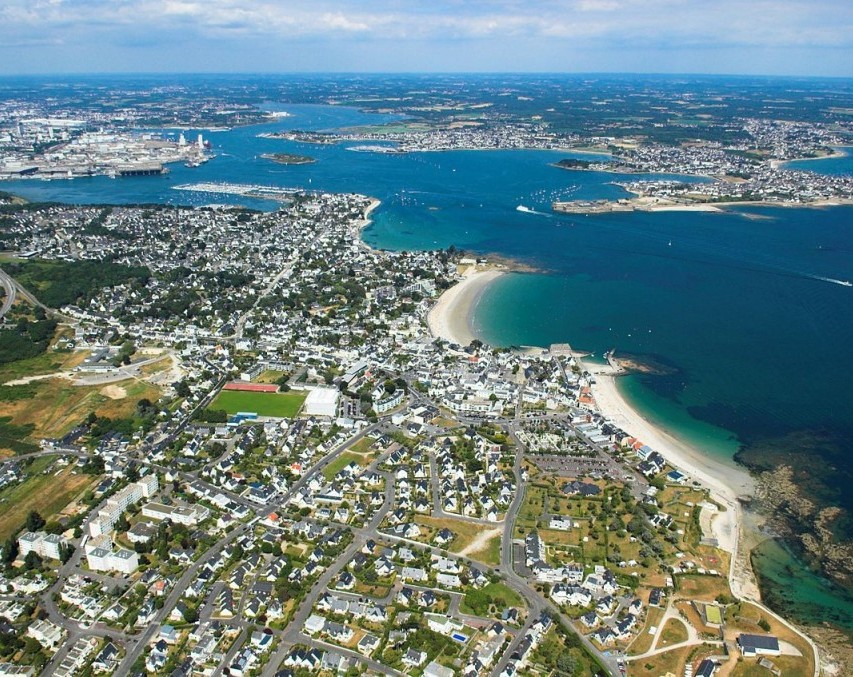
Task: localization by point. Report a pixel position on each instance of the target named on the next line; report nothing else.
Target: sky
(772, 37)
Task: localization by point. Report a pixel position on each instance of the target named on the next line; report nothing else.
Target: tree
(65, 552)
(10, 550)
(182, 389)
(34, 521)
(566, 664)
(32, 560)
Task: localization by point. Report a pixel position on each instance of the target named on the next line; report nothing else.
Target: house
(107, 659)
(414, 574)
(367, 644)
(346, 581)
(758, 645)
(168, 634)
(706, 668)
(434, 669)
(383, 567)
(314, 624)
(560, 522)
(604, 636)
(589, 619)
(338, 632)
(414, 658)
(444, 536)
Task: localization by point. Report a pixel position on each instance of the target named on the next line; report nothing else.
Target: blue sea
(741, 311)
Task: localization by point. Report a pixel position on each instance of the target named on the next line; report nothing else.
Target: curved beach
(725, 482)
(450, 318)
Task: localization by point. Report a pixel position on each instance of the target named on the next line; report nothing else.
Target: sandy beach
(450, 318)
(725, 482)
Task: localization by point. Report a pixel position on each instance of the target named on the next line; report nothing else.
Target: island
(289, 158)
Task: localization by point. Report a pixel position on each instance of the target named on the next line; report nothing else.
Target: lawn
(278, 405)
(343, 460)
(492, 598)
(48, 494)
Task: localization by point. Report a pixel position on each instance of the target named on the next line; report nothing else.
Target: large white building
(322, 402)
(101, 559)
(41, 543)
(116, 505)
(188, 515)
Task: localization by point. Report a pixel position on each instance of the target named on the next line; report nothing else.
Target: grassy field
(269, 376)
(492, 598)
(661, 664)
(280, 405)
(673, 632)
(363, 445)
(464, 532)
(491, 554)
(643, 641)
(744, 617)
(46, 493)
(702, 588)
(344, 459)
(54, 406)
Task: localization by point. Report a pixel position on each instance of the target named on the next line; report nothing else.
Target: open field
(343, 460)
(279, 405)
(643, 641)
(674, 632)
(465, 534)
(744, 617)
(47, 363)
(492, 597)
(46, 493)
(491, 553)
(54, 406)
(661, 664)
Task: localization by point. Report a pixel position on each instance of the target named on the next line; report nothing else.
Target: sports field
(281, 405)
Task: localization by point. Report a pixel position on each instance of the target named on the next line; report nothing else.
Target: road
(11, 292)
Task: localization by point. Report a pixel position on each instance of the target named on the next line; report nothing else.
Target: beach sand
(450, 318)
(725, 482)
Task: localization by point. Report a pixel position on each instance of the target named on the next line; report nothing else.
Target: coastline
(838, 151)
(450, 317)
(727, 483)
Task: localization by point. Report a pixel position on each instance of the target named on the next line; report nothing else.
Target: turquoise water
(834, 166)
(738, 307)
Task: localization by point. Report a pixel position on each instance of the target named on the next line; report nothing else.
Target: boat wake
(528, 210)
(843, 283)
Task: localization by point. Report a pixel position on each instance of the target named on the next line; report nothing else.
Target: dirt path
(41, 377)
(480, 542)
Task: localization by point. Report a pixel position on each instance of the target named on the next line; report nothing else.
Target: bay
(740, 307)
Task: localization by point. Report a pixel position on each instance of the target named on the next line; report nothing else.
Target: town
(258, 461)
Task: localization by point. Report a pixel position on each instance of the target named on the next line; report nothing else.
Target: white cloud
(622, 24)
